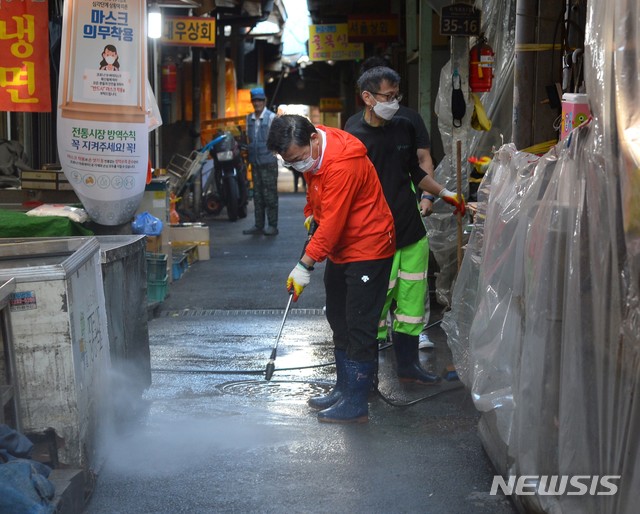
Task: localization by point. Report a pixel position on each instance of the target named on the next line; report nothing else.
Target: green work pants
(407, 289)
(265, 194)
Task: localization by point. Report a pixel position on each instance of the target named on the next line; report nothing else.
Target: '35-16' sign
(460, 20)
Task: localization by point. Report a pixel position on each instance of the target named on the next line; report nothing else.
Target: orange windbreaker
(346, 200)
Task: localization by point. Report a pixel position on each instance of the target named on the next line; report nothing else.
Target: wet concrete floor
(212, 435)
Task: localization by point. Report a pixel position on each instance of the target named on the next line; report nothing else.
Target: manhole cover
(274, 389)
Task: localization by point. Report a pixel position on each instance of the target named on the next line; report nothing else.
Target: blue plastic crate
(180, 265)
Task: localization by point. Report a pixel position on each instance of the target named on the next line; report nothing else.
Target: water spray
(271, 365)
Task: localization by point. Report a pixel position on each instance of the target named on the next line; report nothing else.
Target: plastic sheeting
(627, 91)
(545, 324)
(499, 21)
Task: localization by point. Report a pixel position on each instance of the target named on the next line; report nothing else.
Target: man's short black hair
(287, 130)
(371, 79)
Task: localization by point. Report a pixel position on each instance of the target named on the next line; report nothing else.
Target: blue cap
(257, 93)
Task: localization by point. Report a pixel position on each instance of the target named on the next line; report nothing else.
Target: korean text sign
(331, 42)
(103, 139)
(189, 31)
(372, 28)
(24, 56)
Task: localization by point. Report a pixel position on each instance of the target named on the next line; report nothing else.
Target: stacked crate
(157, 277)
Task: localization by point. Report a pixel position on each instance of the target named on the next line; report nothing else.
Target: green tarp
(18, 224)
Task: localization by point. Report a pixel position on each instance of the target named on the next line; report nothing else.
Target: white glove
(452, 199)
(299, 278)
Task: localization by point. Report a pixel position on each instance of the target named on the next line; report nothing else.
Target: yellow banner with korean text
(189, 31)
(331, 104)
(372, 28)
(331, 43)
(24, 65)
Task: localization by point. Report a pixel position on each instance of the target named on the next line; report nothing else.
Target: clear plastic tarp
(498, 18)
(545, 319)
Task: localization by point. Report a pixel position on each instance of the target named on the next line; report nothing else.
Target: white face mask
(110, 59)
(386, 110)
(309, 164)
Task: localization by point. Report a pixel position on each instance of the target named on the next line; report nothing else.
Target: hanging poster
(24, 65)
(102, 110)
(331, 43)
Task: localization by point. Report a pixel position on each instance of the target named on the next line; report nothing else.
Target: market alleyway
(211, 435)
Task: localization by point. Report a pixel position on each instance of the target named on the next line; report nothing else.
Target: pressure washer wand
(271, 365)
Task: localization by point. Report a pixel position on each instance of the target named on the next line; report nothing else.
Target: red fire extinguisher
(169, 82)
(481, 66)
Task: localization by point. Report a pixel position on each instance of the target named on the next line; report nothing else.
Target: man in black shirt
(423, 151)
(391, 146)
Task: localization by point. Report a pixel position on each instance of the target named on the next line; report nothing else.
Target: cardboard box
(190, 234)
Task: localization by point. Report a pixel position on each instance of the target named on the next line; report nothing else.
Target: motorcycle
(226, 185)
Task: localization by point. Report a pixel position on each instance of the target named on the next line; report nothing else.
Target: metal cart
(183, 172)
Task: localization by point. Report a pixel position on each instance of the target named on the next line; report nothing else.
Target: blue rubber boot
(327, 400)
(408, 361)
(353, 406)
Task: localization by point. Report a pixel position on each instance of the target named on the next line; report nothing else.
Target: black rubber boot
(408, 360)
(353, 406)
(327, 400)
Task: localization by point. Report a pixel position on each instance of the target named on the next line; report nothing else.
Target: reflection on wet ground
(274, 389)
(212, 435)
(214, 351)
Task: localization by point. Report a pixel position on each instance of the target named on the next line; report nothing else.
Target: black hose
(236, 371)
(395, 403)
(388, 401)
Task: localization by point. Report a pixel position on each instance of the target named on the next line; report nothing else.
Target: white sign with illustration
(102, 110)
(108, 83)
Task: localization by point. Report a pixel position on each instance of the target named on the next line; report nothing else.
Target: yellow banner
(331, 43)
(189, 31)
(372, 28)
(331, 104)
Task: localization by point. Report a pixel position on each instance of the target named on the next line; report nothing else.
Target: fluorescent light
(154, 22)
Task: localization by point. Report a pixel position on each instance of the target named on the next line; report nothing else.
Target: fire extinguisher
(481, 66)
(169, 82)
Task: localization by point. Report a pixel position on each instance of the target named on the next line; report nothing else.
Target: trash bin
(9, 394)
(124, 277)
(61, 343)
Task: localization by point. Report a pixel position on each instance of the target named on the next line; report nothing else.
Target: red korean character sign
(24, 47)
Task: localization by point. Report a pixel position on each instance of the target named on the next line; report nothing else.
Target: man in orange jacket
(356, 235)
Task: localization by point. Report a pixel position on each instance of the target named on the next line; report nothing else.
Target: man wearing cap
(264, 167)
